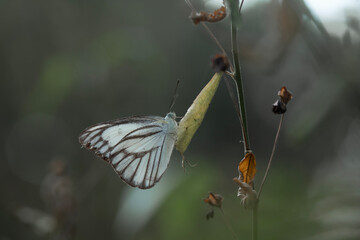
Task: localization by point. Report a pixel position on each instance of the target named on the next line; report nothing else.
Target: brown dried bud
(220, 63)
(279, 107)
(285, 95)
(216, 16)
(198, 17)
(210, 215)
(246, 193)
(214, 200)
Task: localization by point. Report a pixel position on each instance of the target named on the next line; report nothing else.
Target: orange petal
(247, 168)
(214, 200)
(285, 95)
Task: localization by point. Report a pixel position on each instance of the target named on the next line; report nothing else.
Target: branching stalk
(235, 14)
(212, 35)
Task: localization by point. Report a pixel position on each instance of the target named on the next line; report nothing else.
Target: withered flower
(279, 107)
(220, 63)
(202, 16)
(285, 95)
(246, 193)
(214, 200)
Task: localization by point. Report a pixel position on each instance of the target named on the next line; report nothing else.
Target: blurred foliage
(68, 64)
(54, 85)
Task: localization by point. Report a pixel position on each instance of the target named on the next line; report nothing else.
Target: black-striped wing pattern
(138, 148)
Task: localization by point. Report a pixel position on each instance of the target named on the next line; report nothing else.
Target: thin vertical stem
(237, 74)
(255, 222)
(228, 224)
(217, 43)
(235, 13)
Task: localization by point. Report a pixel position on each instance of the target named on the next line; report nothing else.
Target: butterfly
(138, 148)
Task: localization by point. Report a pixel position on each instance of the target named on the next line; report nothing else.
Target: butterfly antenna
(174, 97)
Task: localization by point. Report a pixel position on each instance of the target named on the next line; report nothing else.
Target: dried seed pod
(214, 200)
(217, 15)
(198, 17)
(285, 95)
(246, 193)
(220, 63)
(247, 168)
(202, 16)
(210, 214)
(279, 107)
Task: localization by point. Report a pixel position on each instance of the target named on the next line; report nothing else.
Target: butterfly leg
(183, 161)
(190, 164)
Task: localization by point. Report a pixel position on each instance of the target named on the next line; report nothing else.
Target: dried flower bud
(214, 200)
(210, 214)
(220, 63)
(279, 107)
(247, 168)
(246, 193)
(285, 95)
(216, 16)
(198, 17)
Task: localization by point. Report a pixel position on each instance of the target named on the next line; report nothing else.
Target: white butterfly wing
(142, 156)
(138, 148)
(101, 137)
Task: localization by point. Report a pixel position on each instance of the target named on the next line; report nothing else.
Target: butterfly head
(171, 115)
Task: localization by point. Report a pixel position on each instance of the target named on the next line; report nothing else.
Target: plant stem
(271, 157)
(212, 35)
(228, 225)
(255, 222)
(234, 5)
(217, 43)
(235, 13)
(242, 2)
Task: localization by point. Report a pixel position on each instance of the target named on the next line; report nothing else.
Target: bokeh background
(65, 65)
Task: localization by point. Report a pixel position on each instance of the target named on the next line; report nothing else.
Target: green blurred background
(65, 65)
